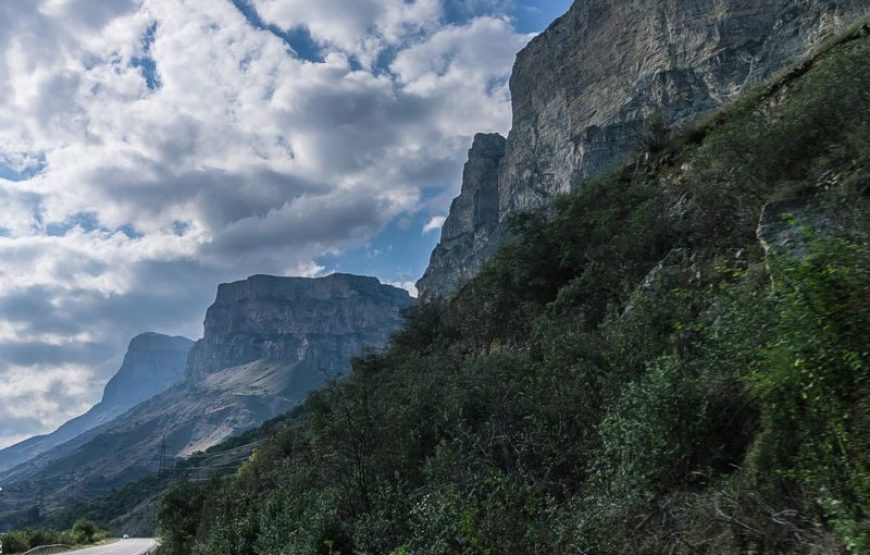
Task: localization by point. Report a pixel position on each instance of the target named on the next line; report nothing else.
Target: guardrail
(48, 549)
(62, 548)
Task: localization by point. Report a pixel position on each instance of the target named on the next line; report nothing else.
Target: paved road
(132, 546)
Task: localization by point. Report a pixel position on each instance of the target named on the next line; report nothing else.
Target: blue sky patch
(11, 173)
(529, 16)
(145, 63)
(533, 16)
(299, 39)
(87, 221)
(399, 253)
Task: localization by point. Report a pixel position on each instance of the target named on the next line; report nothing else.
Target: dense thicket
(632, 374)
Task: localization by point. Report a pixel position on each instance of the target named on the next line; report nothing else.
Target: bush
(83, 533)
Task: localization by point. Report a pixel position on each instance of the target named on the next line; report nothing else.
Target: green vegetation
(633, 374)
(83, 532)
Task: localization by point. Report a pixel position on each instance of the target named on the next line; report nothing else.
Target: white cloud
(362, 28)
(408, 286)
(434, 224)
(30, 398)
(246, 159)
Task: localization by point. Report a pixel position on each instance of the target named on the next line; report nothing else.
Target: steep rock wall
(583, 89)
(324, 321)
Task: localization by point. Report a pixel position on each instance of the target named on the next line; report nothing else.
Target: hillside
(671, 359)
(132, 509)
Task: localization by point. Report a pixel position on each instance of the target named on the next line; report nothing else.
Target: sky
(151, 149)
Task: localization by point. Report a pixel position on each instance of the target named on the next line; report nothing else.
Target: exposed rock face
(468, 235)
(583, 89)
(786, 227)
(322, 321)
(152, 363)
(268, 342)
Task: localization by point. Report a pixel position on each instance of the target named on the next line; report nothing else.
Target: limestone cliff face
(468, 235)
(324, 321)
(582, 90)
(152, 363)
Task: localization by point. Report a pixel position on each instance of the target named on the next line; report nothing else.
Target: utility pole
(163, 468)
(162, 456)
(162, 459)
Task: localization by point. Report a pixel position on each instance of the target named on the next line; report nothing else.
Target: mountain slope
(152, 363)
(583, 90)
(643, 370)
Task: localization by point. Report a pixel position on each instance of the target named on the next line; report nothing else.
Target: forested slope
(644, 369)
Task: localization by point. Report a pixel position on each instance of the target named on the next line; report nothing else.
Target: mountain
(583, 91)
(671, 359)
(268, 342)
(152, 363)
(323, 322)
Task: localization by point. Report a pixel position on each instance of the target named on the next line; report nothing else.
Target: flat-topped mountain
(152, 363)
(583, 91)
(323, 321)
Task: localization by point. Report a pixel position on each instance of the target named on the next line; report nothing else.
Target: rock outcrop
(583, 89)
(152, 363)
(468, 235)
(268, 342)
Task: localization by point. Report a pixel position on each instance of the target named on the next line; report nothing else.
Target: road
(132, 546)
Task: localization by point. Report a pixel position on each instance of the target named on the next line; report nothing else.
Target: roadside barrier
(48, 549)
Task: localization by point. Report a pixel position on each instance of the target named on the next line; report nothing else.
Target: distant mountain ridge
(268, 341)
(152, 363)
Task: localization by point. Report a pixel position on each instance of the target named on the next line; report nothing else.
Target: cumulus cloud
(32, 393)
(150, 149)
(362, 28)
(409, 286)
(434, 224)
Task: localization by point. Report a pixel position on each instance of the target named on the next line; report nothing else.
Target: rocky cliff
(322, 321)
(268, 342)
(583, 90)
(152, 363)
(468, 236)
